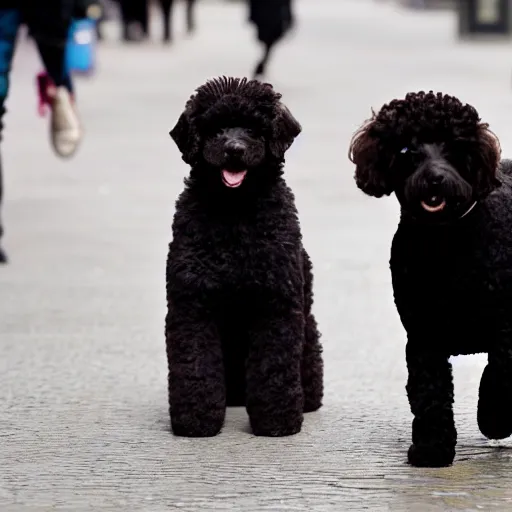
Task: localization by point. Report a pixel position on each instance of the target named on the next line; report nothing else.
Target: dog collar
(459, 218)
(468, 210)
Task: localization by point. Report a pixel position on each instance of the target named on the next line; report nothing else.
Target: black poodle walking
(239, 327)
(451, 257)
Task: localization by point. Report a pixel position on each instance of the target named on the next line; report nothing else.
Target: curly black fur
(451, 262)
(239, 328)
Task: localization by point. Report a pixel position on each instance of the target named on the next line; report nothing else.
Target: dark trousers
(135, 11)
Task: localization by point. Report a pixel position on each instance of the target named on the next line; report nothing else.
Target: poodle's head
(233, 128)
(432, 151)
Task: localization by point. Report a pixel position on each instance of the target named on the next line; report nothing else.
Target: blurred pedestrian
(135, 20)
(167, 10)
(90, 9)
(273, 18)
(48, 22)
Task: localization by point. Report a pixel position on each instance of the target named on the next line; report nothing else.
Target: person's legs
(125, 18)
(143, 9)
(50, 26)
(9, 24)
(54, 60)
(166, 7)
(133, 26)
(191, 22)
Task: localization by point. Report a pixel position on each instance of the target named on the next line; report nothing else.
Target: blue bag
(81, 46)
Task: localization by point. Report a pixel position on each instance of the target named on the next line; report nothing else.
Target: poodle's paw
(276, 427)
(313, 393)
(197, 425)
(494, 424)
(431, 455)
(494, 414)
(283, 431)
(312, 403)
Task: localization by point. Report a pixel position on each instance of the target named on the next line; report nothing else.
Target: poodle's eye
(409, 151)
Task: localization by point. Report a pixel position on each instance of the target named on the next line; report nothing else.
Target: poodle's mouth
(233, 179)
(433, 204)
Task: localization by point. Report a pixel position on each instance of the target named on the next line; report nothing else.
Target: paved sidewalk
(83, 403)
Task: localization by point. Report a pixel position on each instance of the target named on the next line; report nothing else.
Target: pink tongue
(233, 178)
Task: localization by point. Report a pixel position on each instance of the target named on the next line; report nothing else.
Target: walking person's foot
(133, 32)
(65, 130)
(65, 126)
(3, 256)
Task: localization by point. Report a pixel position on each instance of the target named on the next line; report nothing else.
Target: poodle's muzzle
(436, 189)
(234, 151)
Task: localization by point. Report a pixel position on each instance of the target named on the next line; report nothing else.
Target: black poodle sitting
(239, 328)
(451, 257)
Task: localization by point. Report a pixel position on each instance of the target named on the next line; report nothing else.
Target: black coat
(271, 17)
(47, 19)
(42, 11)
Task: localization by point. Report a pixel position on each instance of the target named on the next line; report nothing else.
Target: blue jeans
(51, 42)
(10, 21)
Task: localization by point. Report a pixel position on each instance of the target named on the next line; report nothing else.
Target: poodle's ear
(372, 162)
(185, 137)
(486, 160)
(285, 128)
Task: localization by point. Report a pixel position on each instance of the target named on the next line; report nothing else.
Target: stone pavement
(83, 404)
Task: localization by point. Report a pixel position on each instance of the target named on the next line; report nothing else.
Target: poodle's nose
(234, 148)
(435, 179)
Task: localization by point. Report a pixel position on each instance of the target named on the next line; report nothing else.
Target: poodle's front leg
(312, 362)
(312, 367)
(275, 398)
(197, 395)
(430, 392)
(495, 394)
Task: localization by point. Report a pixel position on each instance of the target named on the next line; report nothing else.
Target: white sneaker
(66, 132)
